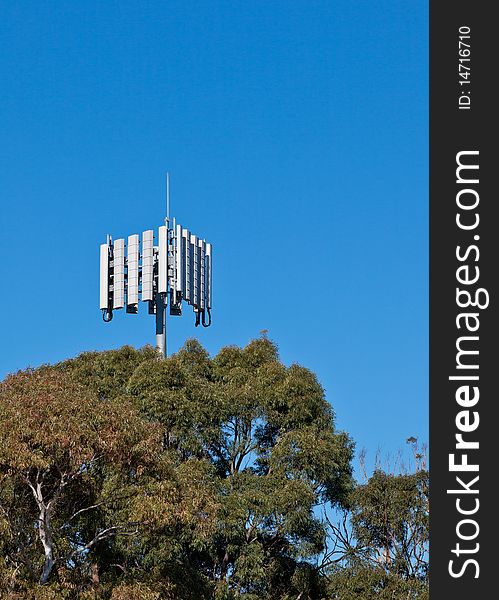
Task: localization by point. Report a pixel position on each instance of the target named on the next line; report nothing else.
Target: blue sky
(296, 136)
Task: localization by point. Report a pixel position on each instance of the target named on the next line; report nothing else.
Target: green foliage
(268, 435)
(390, 520)
(107, 373)
(125, 476)
(373, 583)
(60, 447)
(383, 551)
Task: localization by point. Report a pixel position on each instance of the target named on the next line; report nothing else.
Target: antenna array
(178, 268)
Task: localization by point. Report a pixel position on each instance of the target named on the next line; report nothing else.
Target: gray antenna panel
(195, 271)
(201, 273)
(147, 265)
(163, 260)
(178, 260)
(119, 274)
(133, 270)
(104, 276)
(208, 257)
(187, 266)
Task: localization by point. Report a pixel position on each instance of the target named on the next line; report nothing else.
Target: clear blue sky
(296, 137)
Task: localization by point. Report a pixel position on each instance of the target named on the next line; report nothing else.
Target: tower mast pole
(161, 302)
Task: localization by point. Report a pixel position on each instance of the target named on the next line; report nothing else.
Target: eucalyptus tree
(127, 476)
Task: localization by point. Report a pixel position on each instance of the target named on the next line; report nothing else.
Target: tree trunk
(44, 530)
(48, 547)
(95, 573)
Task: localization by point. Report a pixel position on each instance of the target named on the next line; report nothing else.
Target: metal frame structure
(178, 268)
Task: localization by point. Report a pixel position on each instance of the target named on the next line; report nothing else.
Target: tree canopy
(123, 475)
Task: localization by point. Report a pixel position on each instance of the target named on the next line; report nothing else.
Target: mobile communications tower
(172, 267)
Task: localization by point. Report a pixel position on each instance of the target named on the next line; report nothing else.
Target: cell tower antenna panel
(208, 275)
(133, 272)
(179, 259)
(148, 265)
(195, 270)
(179, 268)
(163, 260)
(119, 274)
(188, 265)
(104, 277)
